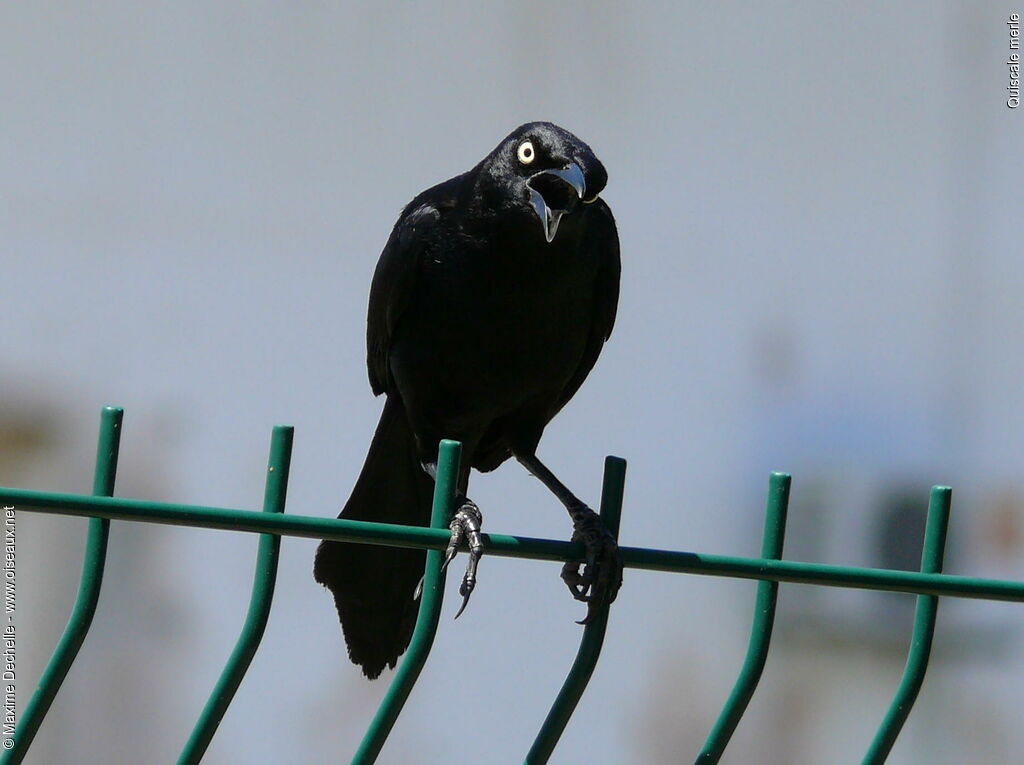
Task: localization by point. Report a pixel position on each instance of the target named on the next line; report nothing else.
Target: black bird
(490, 304)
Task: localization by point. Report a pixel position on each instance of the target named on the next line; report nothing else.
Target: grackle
(488, 308)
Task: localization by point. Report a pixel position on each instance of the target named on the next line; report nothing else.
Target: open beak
(550, 216)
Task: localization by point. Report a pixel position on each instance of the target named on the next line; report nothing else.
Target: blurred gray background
(819, 208)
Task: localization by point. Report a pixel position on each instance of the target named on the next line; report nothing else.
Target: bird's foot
(601, 578)
(465, 526)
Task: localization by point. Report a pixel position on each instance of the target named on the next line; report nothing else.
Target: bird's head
(543, 171)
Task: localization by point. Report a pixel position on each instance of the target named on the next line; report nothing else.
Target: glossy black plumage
(479, 329)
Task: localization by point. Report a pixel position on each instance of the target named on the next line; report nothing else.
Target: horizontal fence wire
(396, 535)
(271, 524)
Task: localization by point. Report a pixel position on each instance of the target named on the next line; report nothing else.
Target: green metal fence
(101, 507)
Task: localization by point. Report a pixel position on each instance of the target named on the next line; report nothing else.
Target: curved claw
(469, 578)
(449, 555)
(577, 583)
(465, 602)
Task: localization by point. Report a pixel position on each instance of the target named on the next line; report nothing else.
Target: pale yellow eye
(526, 152)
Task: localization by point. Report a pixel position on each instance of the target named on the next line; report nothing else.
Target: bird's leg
(601, 578)
(465, 527)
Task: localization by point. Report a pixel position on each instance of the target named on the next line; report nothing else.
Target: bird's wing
(601, 239)
(393, 282)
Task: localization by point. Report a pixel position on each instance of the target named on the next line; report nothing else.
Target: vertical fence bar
(761, 631)
(88, 592)
(593, 634)
(426, 620)
(259, 603)
(924, 630)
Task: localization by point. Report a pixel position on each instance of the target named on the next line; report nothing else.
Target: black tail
(373, 586)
